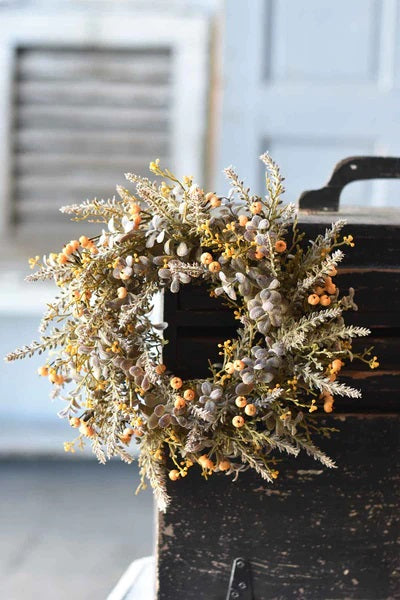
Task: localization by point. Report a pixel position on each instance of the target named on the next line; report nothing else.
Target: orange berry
(206, 258)
(214, 267)
(128, 431)
(206, 462)
(136, 221)
(176, 383)
(68, 249)
(62, 259)
(331, 288)
(337, 364)
(189, 394)
(213, 199)
(256, 208)
(229, 368)
(138, 432)
(74, 244)
(242, 219)
(238, 365)
(224, 465)
(160, 369)
(84, 241)
(325, 300)
(238, 421)
(313, 299)
(125, 439)
(258, 254)
(93, 249)
(241, 401)
(74, 422)
(332, 272)
(43, 371)
(87, 430)
(134, 209)
(174, 475)
(250, 410)
(215, 203)
(122, 292)
(280, 246)
(328, 405)
(180, 403)
(319, 290)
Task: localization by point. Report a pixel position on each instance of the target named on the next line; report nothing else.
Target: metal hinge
(240, 585)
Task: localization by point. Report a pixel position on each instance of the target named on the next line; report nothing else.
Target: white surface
(138, 581)
(314, 82)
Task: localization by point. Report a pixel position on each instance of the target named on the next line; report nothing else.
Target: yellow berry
(241, 401)
(238, 421)
(250, 410)
(174, 475)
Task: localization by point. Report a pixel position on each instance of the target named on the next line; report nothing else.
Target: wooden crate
(315, 533)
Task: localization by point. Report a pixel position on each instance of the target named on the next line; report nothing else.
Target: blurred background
(90, 89)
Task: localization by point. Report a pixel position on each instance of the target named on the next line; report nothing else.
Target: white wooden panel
(315, 81)
(314, 40)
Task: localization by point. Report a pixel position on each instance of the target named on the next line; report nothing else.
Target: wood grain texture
(314, 534)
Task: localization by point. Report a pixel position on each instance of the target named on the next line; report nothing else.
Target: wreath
(105, 351)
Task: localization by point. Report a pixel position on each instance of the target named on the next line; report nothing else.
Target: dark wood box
(315, 533)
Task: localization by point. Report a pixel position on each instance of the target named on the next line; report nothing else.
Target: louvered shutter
(83, 117)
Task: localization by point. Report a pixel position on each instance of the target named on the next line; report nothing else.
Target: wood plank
(94, 92)
(95, 142)
(151, 65)
(314, 533)
(87, 117)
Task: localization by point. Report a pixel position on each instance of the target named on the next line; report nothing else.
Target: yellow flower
(69, 447)
(33, 261)
(154, 166)
(373, 363)
(348, 239)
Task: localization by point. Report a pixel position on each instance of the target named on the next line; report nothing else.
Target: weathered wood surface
(314, 534)
(197, 323)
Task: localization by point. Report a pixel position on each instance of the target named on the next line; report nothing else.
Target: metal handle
(354, 168)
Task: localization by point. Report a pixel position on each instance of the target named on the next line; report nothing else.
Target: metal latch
(240, 584)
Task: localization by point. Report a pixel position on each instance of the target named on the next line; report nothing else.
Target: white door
(311, 82)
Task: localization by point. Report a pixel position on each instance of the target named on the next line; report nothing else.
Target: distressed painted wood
(313, 534)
